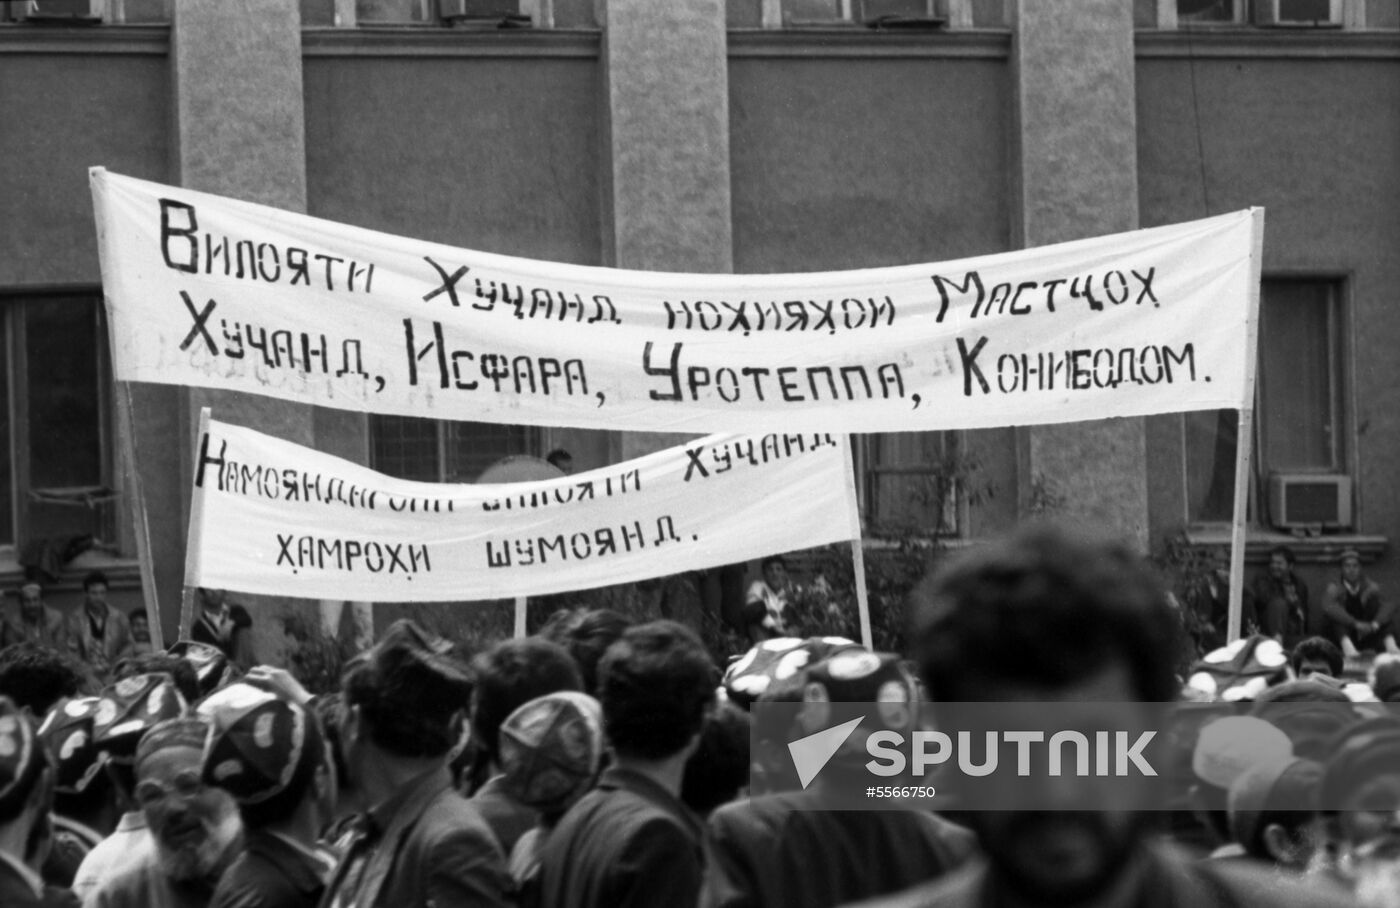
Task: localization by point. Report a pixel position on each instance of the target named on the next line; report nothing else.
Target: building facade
(709, 136)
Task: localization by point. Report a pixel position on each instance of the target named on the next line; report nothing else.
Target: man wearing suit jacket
(632, 843)
(421, 843)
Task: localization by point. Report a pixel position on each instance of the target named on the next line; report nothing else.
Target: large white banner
(213, 292)
(274, 517)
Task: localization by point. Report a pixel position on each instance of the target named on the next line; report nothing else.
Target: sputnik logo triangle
(811, 753)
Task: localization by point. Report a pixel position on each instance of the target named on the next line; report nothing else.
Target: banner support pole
(857, 546)
(1245, 435)
(862, 598)
(1235, 619)
(127, 446)
(520, 609)
(194, 539)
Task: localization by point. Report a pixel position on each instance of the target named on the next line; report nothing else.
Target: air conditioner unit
(63, 12)
(1298, 500)
(1298, 13)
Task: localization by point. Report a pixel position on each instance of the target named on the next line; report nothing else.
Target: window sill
(122, 573)
(1309, 549)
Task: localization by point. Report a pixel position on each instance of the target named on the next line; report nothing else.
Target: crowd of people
(1351, 612)
(604, 763)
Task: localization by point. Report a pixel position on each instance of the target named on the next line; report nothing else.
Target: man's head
(1281, 561)
(586, 634)
(511, 673)
(561, 459)
(1043, 616)
(1273, 812)
(774, 569)
(26, 785)
(656, 683)
(31, 602)
(1316, 656)
(140, 626)
(95, 588)
(402, 699)
(719, 768)
(35, 677)
(193, 825)
(551, 749)
(1351, 566)
(269, 754)
(1310, 713)
(1384, 677)
(212, 600)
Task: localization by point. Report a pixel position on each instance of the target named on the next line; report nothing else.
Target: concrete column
(1076, 176)
(239, 130)
(666, 158)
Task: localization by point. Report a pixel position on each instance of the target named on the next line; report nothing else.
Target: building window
(54, 426)
(910, 482)
(1266, 13)
(1299, 414)
(1208, 12)
(873, 13)
(430, 450)
(86, 12)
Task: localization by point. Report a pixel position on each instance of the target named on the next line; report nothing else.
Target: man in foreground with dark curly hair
(631, 842)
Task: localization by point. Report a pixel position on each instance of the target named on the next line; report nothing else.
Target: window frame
(1342, 371)
(958, 13)
(954, 519)
(1351, 14)
(12, 302)
(534, 438)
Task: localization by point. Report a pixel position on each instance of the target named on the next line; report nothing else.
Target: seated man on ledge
(1359, 618)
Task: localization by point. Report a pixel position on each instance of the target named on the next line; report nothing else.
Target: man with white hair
(195, 828)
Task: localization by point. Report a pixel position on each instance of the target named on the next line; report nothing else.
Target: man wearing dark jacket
(270, 756)
(632, 843)
(421, 844)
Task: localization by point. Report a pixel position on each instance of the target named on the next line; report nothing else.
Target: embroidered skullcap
(859, 676)
(259, 744)
(1242, 670)
(550, 749)
(211, 666)
(186, 731)
(68, 734)
(776, 660)
(129, 708)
